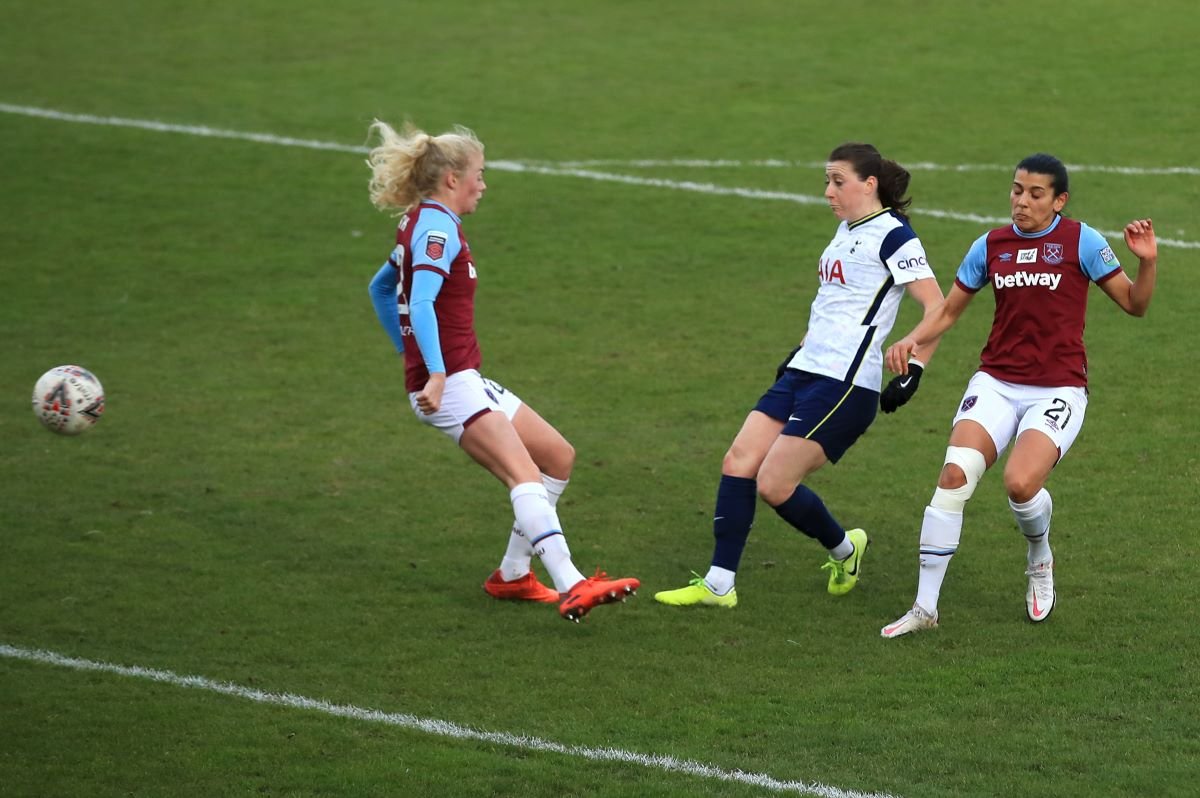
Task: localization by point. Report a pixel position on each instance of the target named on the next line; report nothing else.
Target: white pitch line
(758, 193)
(533, 168)
(167, 127)
(440, 728)
(922, 166)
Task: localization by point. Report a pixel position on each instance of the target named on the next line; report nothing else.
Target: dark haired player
(1031, 385)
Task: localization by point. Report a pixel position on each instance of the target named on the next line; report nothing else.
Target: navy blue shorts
(831, 412)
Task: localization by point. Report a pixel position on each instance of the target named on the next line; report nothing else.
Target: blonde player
(425, 299)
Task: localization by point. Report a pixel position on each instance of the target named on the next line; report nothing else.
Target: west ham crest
(968, 403)
(1052, 253)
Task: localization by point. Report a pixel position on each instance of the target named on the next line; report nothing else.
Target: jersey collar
(867, 218)
(1040, 233)
(439, 205)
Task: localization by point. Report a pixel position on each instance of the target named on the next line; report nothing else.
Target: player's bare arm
(929, 331)
(1134, 295)
(929, 294)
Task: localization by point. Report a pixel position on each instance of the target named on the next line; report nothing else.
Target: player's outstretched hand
(1139, 237)
(898, 354)
(900, 389)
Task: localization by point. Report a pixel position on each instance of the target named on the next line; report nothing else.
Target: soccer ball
(68, 400)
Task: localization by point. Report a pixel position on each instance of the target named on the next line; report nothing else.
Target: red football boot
(526, 588)
(594, 591)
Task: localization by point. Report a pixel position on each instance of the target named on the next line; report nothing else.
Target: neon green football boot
(843, 574)
(696, 594)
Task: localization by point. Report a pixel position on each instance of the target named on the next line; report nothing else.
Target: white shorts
(468, 395)
(1006, 409)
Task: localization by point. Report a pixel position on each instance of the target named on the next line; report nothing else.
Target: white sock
(719, 580)
(1033, 517)
(940, 533)
(519, 555)
(554, 488)
(538, 520)
(842, 550)
(557, 558)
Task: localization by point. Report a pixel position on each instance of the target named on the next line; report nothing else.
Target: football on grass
(68, 400)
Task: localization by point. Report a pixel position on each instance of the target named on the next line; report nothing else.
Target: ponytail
(407, 166)
(891, 176)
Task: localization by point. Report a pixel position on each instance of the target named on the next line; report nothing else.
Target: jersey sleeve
(383, 297)
(435, 242)
(426, 284)
(904, 255)
(972, 272)
(1096, 256)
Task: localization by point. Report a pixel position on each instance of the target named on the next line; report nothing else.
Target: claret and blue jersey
(1041, 285)
(425, 295)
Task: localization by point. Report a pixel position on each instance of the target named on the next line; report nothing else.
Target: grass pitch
(257, 506)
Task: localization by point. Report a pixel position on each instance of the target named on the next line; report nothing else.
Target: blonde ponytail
(407, 166)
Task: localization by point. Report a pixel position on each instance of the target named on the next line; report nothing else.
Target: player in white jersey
(1031, 386)
(424, 296)
(826, 393)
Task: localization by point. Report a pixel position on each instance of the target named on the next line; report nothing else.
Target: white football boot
(914, 620)
(1039, 597)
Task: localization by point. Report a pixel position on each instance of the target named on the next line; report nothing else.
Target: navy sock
(805, 511)
(736, 499)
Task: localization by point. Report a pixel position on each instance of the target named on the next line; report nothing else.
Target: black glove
(900, 389)
(783, 366)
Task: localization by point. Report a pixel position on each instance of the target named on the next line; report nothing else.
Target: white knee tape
(972, 464)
